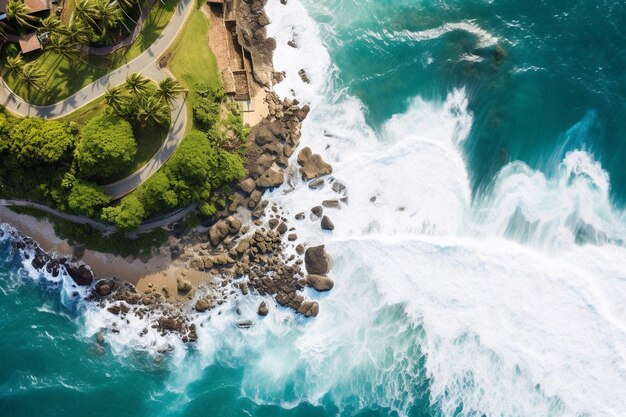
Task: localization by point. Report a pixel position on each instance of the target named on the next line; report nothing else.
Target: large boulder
(81, 274)
(268, 132)
(320, 283)
(263, 310)
(304, 155)
(218, 232)
(234, 224)
(105, 287)
(272, 177)
(316, 260)
(203, 304)
(252, 36)
(327, 224)
(309, 308)
(315, 167)
(183, 286)
(247, 186)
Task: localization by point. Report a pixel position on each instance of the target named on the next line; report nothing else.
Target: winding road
(147, 64)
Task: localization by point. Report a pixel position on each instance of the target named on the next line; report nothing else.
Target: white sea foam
(485, 39)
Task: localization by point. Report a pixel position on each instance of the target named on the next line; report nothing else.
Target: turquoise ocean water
(487, 278)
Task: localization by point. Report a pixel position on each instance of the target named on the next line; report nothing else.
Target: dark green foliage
(107, 146)
(207, 104)
(34, 156)
(127, 215)
(37, 140)
(87, 199)
(156, 194)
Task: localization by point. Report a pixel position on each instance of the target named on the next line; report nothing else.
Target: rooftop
(29, 43)
(33, 5)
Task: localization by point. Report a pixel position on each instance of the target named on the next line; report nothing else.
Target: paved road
(147, 64)
(107, 228)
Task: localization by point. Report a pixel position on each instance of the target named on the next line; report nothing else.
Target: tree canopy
(37, 140)
(107, 146)
(86, 198)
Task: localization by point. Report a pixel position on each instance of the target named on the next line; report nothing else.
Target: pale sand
(104, 265)
(260, 106)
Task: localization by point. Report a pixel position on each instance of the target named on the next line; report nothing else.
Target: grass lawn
(192, 62)
(148, 139)
(65, 77)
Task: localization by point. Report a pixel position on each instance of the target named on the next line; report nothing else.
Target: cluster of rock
(122, 299)
(52, 264)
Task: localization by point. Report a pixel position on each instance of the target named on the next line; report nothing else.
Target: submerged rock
(245, 324)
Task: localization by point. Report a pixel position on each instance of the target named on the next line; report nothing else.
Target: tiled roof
(29, 43)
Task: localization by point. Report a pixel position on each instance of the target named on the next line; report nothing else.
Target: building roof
(37, 5)
(29, 43)
(33, 5)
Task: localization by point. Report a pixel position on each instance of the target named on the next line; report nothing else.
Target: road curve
(147, 64)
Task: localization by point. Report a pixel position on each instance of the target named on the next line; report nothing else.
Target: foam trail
(485, 39)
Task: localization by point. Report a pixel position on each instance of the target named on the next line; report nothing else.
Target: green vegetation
(34, 141)
(87, 199)
(197, 172)
(61, 70)
(149, 138)
(107, 146)
(192, 62)
(36, 155)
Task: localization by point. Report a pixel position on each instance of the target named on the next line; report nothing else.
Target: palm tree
(152, 111)
(4, 28)
(137, 84)
(15, 65)
(127, 4)
(77, 32)
(51, 24)
(87, 11)
(61, 43)
(168, 90)
(109, 14)
(32, 75)
(17, 11)
(115, 98)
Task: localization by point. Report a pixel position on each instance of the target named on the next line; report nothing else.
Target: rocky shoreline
(251, 245)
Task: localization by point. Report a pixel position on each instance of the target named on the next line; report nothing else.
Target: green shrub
(207, 104)
(86, 198)
(37, 140)
(107, 147)
(127, 215)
